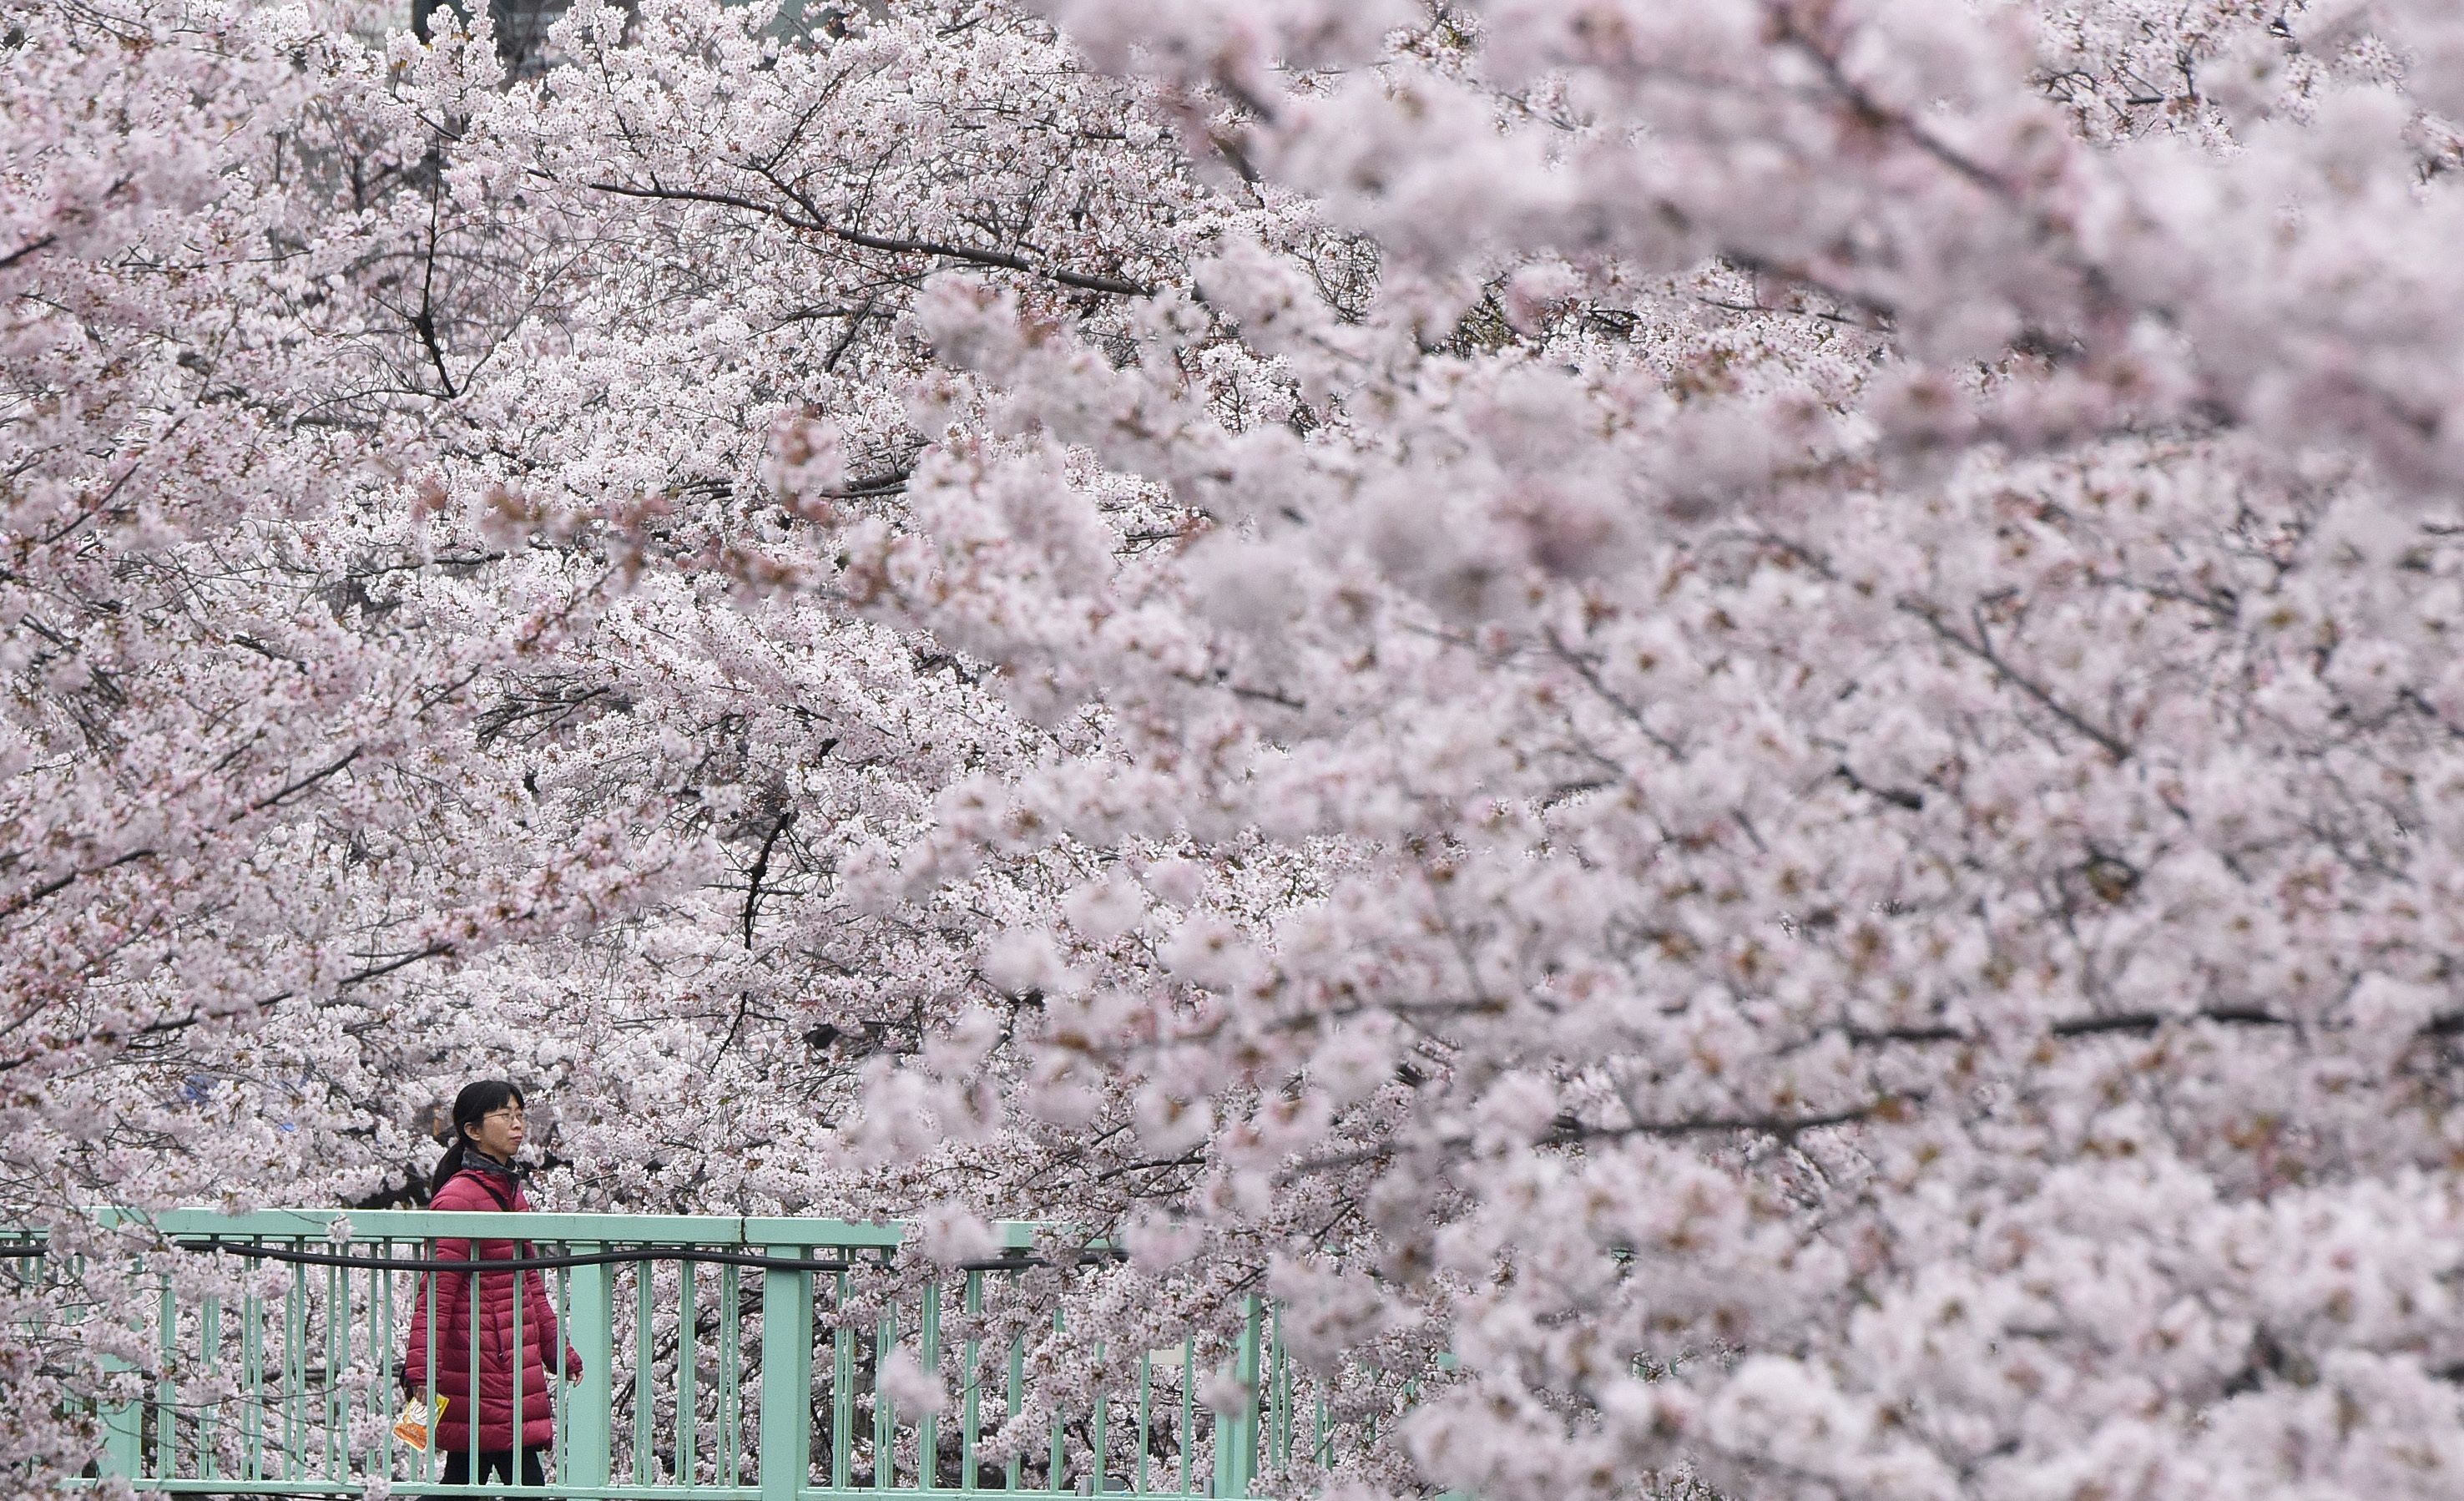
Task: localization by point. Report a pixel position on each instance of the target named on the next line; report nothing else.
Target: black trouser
(495, 1465)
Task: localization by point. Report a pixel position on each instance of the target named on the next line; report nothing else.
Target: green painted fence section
(721, 1358)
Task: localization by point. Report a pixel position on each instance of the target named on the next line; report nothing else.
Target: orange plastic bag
(417, 1421)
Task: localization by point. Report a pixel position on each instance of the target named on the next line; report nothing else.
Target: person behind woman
(478, 1173)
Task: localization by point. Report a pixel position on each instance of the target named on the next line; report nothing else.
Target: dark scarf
(502, 1179)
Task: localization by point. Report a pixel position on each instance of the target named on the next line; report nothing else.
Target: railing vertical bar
(688, 1353)
(1014, 1474)
(971, 1403)
(270, 1386)
(1096, 1431)
(521, 1356)
(1188, 1409)
(645, 1347)
(166, 1387)
(1146, 1415)
(730, 1376)
(928, 1427)
(123, 1424)
(1270, 1375)
(316, 1398)
(381, 1350)
(1060, 1446)
(360, 1331)
(295, 1376)
(560, 1378)
(350, 1402)
(337, 1402)
(380, 1385)
(885, 1416)
(1253, 1352)
(209, 1342)
(1280, 1410)
(282, 1390)
(251, 1375)
(69, 1315)
(587, 1459)
(1235, 1434)
(842, 1389)
(477, 1282)
(429, 1459)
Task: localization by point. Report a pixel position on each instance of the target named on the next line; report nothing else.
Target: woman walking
(478, 1173)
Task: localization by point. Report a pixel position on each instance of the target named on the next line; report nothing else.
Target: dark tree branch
(309, 781)
(1567, 1131)
(1897, 797)
(1982, 648)
(2142, 1023)
(29, 248)
(52, 888)
(894, 245)
(760, 869)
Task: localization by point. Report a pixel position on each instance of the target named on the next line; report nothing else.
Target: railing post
(123, 1430)
(786, 1376)
(123, 1434)
(590, 1298)
(1236, 1433)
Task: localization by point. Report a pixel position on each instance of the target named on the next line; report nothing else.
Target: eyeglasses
(504, 1113)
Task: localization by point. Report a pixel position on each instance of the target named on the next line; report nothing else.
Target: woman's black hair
(475, 1104)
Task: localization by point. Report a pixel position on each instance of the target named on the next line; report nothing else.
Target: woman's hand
(572, 1365)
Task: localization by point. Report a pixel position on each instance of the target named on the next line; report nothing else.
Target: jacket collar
(482, 1163)
(496, 1179)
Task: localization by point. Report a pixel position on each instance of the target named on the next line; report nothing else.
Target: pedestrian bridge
(722, 1358)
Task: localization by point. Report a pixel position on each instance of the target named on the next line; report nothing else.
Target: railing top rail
(749, 1232)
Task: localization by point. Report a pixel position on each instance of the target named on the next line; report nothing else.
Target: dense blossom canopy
(1749, 710)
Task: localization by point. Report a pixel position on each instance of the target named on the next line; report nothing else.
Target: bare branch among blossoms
(810, 223)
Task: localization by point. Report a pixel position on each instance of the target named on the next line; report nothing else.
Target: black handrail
(639, 1254)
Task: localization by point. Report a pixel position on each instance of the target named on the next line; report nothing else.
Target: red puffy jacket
(472, 1189)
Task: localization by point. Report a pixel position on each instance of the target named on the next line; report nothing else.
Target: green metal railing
(721, 1357)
